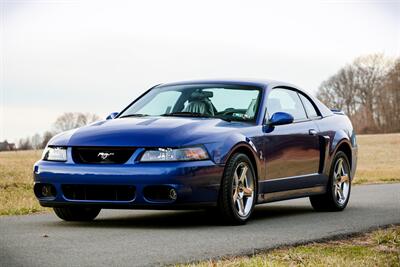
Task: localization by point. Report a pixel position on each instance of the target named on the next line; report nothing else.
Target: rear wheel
(338, 190)
(76, 213)
(238, 190)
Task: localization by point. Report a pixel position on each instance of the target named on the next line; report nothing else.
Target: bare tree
(371, 74)
(25, 144)
(36, 141)
(339, 91)
(71, 120)
(65, 122)
(361, 90)
(388, 100)
(46, 138)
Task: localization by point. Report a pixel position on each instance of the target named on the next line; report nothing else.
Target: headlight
(179, 154)
(55, 154)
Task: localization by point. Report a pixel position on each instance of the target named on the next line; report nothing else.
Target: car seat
(199, 102)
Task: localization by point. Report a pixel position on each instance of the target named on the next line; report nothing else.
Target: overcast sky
(93, 56)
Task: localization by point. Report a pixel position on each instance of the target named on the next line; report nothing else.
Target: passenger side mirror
(112, 116)
(280, 118)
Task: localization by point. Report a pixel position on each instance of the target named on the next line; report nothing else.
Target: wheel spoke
(235, 187)
(235, 195)
(236, 179)
(243, 174)
(340, 167)
(341, 195)
(337, 187)
(241, 206)
(338, 196)
(335, 175)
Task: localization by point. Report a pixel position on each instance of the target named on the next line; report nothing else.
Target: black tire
(329, 200)
(76, 213)
(226, 205)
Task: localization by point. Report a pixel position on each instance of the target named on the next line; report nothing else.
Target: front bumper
(196, 183)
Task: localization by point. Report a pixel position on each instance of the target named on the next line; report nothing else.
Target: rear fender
(341, 138)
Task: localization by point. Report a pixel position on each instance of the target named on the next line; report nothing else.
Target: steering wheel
(228, 111)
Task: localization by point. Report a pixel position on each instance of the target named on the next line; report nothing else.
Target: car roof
(263, 83)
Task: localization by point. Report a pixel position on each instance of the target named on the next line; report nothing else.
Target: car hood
(149, 132)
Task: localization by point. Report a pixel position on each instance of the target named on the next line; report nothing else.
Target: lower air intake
(99, 192)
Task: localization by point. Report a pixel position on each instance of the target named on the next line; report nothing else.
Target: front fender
(221, 152)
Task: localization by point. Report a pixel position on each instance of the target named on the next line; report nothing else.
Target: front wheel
(238, 190)
(76, 213)
(338, 190)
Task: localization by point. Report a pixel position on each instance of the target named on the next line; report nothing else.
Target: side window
(284, 100)
(310, 109)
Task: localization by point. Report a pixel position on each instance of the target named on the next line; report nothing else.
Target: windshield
(227, 102)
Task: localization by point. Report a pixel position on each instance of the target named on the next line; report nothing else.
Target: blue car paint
(281, 118)
(196, 182)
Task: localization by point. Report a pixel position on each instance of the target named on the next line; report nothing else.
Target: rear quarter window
(309, 107)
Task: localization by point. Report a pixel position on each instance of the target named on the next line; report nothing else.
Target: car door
(292, 151)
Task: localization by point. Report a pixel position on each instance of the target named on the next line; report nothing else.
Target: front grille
(101, 155)
(99, 192)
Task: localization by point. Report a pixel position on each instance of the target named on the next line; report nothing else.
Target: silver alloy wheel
(243, 189)
(341, 181)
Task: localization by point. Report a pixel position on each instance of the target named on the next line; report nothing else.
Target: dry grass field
(378, 159)
(378, 162)
(16, 182)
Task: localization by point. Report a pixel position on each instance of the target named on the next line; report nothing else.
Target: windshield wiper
(134, 115)
(192, 114)
(185, 113)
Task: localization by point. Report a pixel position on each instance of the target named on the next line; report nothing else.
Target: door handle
(312, 132)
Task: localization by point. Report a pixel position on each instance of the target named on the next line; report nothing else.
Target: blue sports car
(221, 144)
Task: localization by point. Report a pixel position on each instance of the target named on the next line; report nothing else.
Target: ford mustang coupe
(226, 145)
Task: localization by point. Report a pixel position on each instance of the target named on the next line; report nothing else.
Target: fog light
(172, 194)
(46, 191)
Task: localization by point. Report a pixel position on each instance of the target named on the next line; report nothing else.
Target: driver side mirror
(280, 118)
(112, 116)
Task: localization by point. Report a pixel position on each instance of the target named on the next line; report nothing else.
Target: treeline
(368, 91)
(66, 121)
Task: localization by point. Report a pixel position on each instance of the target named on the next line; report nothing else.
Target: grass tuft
(389, 237)
(379, 248)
